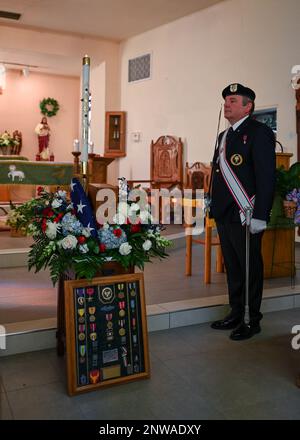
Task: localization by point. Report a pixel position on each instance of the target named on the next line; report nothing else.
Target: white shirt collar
(238, 123)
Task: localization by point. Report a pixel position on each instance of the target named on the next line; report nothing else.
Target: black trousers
(233, 243)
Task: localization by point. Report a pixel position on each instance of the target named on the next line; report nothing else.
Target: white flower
(83, 248)
(56, 203)
(86, 232)
(119, 219)
(125, 248)
(105, 226)
(52, 229)
(69, 242)
(147, 245)
(62, 194)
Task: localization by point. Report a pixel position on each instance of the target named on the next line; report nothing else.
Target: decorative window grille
(139, 68)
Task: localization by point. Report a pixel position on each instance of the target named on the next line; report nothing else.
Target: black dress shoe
(245, 331)
(228, 323)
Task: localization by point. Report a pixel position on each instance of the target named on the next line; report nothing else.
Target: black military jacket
(250, 152)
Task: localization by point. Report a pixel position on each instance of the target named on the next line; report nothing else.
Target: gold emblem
(233, 88)
(122, 331)
(236, 159)
(122, 313)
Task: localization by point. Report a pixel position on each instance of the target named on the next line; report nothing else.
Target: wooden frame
(115, 131)
(112, 347)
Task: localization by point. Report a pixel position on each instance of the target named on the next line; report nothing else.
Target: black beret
(238, 89)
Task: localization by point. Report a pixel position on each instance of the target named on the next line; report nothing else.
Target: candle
(76, 145)
(91, 147)
(85, 107)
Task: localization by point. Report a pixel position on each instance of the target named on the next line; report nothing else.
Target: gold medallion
(236, 159)
(122, 331)
(81, 336)
(122, 313)
(109, 324)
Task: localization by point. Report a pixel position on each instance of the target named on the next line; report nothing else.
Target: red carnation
(102, 247)
(81, 239)
(135, 228)
(118, 232)
(44, 225)
(58, 217)
(48, 212)
(39, 190)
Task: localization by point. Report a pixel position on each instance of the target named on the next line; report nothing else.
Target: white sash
(234, 185)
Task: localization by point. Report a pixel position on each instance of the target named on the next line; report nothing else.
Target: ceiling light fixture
(25, 71)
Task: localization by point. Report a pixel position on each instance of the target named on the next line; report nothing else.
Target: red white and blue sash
(234, 185)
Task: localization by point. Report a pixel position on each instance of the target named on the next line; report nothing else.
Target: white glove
(257, 225)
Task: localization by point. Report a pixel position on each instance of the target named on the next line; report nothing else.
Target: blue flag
(83, 208)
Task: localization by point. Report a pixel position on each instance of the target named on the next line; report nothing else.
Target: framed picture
(267, 116)
(106, 332)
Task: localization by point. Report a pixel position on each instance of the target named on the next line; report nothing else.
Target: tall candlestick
(85, 107)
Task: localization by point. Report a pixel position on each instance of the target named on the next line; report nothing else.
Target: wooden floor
(26, 296)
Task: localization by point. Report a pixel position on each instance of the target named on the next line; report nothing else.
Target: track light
(25, 71)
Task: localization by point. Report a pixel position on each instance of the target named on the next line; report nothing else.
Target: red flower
(44, 225)
(118, 232)
(102, 247)
(135, 228)
(39, 190)
(81, 239)
(48, 212)
(58, 217)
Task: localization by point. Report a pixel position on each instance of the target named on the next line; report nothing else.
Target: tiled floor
(196, 373)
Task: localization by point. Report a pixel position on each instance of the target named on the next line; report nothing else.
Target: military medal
(82, 350)
(93, 336)
(245, 139)
(108, 318)
(132, 304)
(81, 336)
(90, 292)
(83, 379)
(236, 159)
(94, 376)
(81, 317)
(80, 300)
(122, 312)
(106, 295)
(122, 331)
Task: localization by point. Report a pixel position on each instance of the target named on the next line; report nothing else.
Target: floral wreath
(49, 102)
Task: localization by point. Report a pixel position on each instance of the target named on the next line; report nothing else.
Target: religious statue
(43, 132)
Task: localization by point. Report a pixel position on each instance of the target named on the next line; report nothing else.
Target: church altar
(25, 172)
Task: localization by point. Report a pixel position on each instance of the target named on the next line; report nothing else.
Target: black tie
(229, 134)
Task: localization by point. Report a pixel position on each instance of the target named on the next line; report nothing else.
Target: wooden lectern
(278, 244)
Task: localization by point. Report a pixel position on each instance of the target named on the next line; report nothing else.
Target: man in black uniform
(243, 175)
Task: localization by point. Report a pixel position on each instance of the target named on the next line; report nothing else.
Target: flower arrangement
(6, 140)
(291, 205)
(63, 241)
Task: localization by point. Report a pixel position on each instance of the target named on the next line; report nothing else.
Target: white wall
(254, 42)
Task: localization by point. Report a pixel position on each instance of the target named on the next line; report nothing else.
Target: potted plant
(288, 188)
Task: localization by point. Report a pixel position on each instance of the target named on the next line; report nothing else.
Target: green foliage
(46, 103)
(287, 180)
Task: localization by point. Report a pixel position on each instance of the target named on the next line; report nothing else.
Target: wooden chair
(166, 166)
(197, 176)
